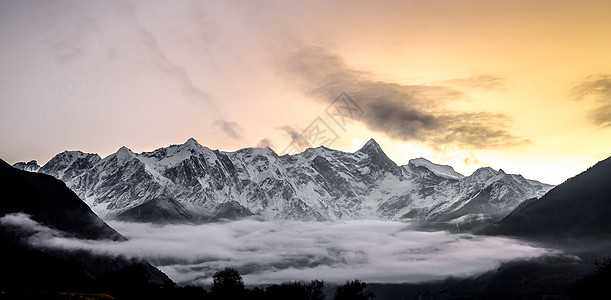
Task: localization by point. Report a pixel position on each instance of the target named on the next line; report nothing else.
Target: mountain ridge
(316, 184)
(577, 208)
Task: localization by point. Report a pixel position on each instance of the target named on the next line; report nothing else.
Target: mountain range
(576, 212)
(190, 182)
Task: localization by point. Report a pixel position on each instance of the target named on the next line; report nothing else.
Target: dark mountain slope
(160, 210)
(50, 203)
(578, 208)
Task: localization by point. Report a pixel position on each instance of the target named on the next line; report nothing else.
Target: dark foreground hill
(577, 209)
(46, 202)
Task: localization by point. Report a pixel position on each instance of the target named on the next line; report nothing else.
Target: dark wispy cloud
(189, 88)
(596, 89)
(297, 138)
(175, 71)
(265, 142)
(231, 129)
(272, 252)
(405, 112)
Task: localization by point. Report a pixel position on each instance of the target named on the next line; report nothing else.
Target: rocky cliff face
(197, 183)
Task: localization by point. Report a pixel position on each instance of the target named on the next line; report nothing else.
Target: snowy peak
(371, 147)
(267, 151)
(191, 144)
(31, 166)
(67, 158)
(484, 173)
(377, 158)
(69, 163)
(124, 154)
(443, 171)
(191, 141)
(311, 153)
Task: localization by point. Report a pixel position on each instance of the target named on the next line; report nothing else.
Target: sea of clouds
(276, 251)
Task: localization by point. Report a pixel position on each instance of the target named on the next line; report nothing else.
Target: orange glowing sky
(519, 85)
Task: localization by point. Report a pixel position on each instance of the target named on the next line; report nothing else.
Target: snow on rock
(31, 166)
(439, 170)
(194, 183)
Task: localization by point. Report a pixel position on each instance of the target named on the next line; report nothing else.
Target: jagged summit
(192, 145)
(377, 158)
(191, 142)
(31, 166)
(124, 153)
(124, 149)
(370, 146)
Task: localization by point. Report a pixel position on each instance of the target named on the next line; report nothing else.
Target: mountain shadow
(162, 209)
(46, 202)
(579, 208)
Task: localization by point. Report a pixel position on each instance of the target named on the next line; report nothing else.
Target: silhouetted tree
(227, 284)
(296, 291)
(256, 293)
(353, 290)
(596, 284)
(315, 290)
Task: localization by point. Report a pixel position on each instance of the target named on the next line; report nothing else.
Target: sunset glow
(520, 85)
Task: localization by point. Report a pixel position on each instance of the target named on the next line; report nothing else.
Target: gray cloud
(265, 142)
(403, 112)
(597, 89)
(179, 73)
(175, 71)
(296, 137)
(272, 252)
(231, 129)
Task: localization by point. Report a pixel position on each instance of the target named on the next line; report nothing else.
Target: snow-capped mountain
(31, 166)
(195, 183)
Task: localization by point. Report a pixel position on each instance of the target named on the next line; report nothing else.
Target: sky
(520, 85)
(278, 251)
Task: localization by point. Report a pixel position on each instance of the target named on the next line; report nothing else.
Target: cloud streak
(485, 81)
(273, 252)
(596, 89)
(296, 137)
(264, 142)
(179, 73)
(403, 112)
(229, 128)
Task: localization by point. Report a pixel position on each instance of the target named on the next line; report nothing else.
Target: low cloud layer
(273, 252)
(405, 112)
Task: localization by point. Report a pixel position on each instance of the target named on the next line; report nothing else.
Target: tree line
(228, 284)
